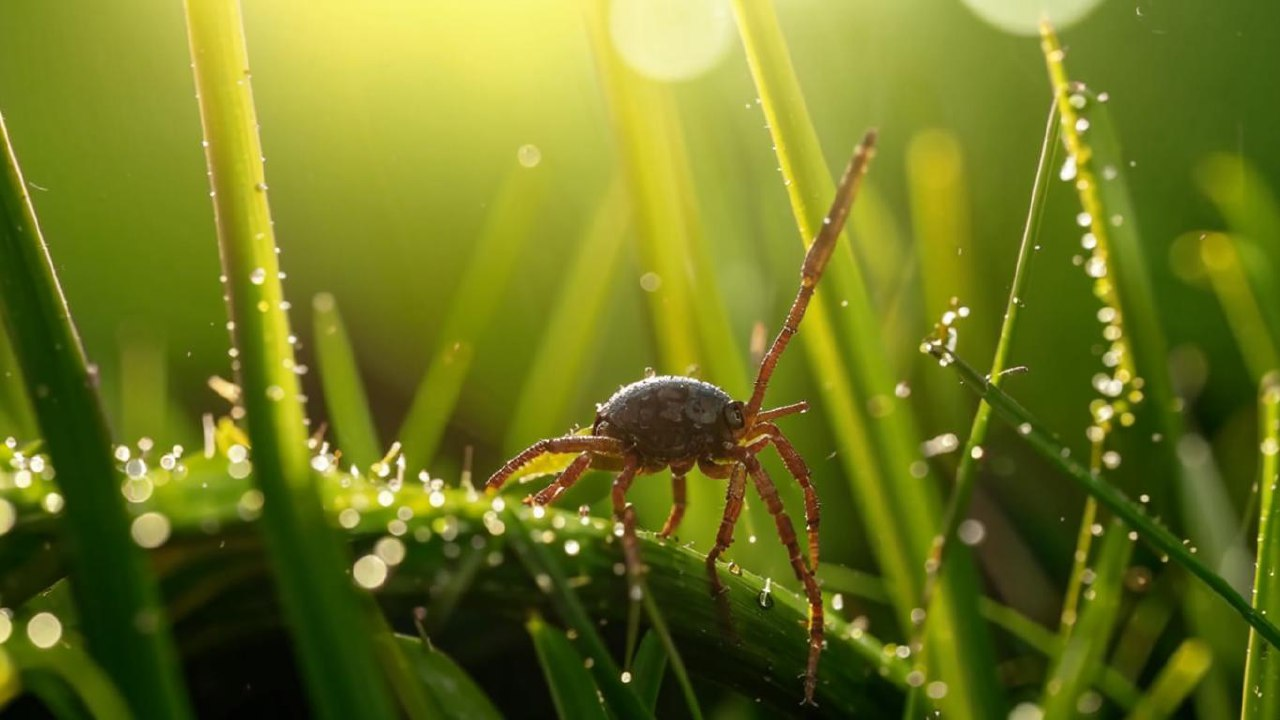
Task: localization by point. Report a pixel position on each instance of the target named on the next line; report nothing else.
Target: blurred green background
(393, 128)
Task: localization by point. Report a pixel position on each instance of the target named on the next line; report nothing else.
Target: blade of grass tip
(572, 689)
(344, 393)
(119, 600)
(571, 330)
(691, 324)
(331, 638)
(15, 407)
(1085, 653)
(494, 259)
(1262, 666)
(1119, 267)
(144, 383)
(1177, 679)
(455, 691)
(1235, 291)
(648, 669)
(967, 470)
(1133, 514)
(551, 578)
(416, 700)
(879, 452)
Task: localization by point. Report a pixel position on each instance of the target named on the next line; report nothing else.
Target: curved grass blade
(1177, 679)
(901, 512)
(1085, 653)
(566, 343)
(648, 670)
(64, 678)
(572, 689)
(344, 393)
(494, 258)
(1240, 299)
(332, 640)
(113, 585)
(456, 694)
(1262, 666)
(1133, 514)
(673, 654)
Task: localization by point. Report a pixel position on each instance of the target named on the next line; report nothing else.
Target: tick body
(678, 423)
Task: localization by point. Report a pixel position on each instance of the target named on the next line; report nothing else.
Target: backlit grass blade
(16, 416)
(331, 639)
(1177, 679)
(493, 262)
(457, 696)
(64, 678)
(548, 574)
(1133, 514)
(113, 586)
(344, 393)
(1240, 303)
(648, 669)
(565, 346)
(572, 689)
(1085, 653)
(902, 512)
(1262, 666)
(143, 385)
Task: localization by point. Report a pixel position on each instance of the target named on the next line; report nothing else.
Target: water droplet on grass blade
(369, 572)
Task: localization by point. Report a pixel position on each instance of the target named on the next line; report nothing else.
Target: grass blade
(493, 261)
(453, 690)
(648, 670)
(113, 586)
(1262, 666)
(901, 512)
(673, 654)
(332, 641)
(572, 689)
(343, 390)
(1133, 514)
(1085, 653)
(1177, 679)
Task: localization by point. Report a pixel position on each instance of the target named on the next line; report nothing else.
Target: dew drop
(529, 155)
(150, 530)
(369, 572)
(44, 630)
(258, 276)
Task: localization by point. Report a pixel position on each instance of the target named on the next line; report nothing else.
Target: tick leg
(550, 493)
(566, 444)
(800, 471)
(732, 509)
(769, 493)
(677, 502)
(625, 513)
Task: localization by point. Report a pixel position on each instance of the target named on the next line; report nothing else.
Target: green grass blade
(549, 575)
(1262, 667)
(648, 669)
(572, 688)
(673, 654)
(416, 702)
(566, 345)
(1085, 653)
(453, 690)
(113, 585)
(344, 393)
(902, 512)
(16, 416)
(63, 677)
(1177, 679)
(493, 261)
(1242, 303)
(331, 639)
(144, 384)
(1133, 514)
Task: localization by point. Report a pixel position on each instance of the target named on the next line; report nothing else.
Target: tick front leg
(567, 444)
(677, 502)
(566, 479)
(734, 497)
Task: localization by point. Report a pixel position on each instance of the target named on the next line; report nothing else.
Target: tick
(681, 423)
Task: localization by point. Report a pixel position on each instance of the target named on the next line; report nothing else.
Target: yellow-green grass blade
(493, 262)
(557, 366)
(16, 416)
(113, 586)
(1085, 652)
(344, 393)
(877, 451)
(1134, 515)
(572, 689)
(1262, 666)
(331, 638)
(1119, 267)
(1177, 679)
(1240, 303)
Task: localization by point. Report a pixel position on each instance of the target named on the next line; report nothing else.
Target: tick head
(734, 416)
